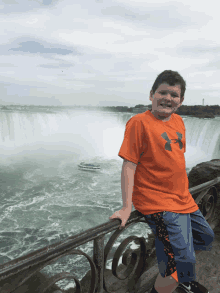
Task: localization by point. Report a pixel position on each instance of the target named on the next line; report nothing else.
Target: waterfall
(92, 133)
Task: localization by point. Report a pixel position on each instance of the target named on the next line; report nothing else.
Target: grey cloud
(35, 47)
(163, 16)
(25, 45)
(8, 90)
(195, 48)
(123, 66)
(125, 13)
(102, 84)
(47, 2)
(12, 6)
(63, 65)
(213, 64)
(198, 51)
(7, 65)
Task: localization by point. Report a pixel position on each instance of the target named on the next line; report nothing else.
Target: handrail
(45, 253)
(43, 256)
(202, 186)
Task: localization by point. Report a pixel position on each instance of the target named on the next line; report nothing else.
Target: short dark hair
(170, 77)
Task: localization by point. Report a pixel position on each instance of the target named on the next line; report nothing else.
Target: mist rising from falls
(89, 134)
(85, 134)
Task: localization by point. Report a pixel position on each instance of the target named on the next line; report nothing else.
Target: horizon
(33, 105)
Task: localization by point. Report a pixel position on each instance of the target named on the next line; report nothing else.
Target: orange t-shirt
(157, 147)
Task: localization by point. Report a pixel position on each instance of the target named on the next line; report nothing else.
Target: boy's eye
(173, 95)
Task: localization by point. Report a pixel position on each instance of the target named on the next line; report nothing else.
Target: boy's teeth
(165, 105)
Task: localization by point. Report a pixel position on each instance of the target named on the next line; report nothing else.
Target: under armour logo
(169, 141)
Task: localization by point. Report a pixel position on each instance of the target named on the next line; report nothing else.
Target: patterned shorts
(177, 236)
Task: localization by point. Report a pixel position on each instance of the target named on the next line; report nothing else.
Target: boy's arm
(127, 184)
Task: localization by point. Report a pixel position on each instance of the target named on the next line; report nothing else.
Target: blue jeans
(177, 236)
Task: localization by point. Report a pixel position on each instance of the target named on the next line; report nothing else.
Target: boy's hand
(123, 214)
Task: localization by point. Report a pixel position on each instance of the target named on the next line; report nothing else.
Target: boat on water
(89, 167)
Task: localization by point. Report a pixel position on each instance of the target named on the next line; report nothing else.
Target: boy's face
(170, 96)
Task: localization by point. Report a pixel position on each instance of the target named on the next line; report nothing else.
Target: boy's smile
(165, 101)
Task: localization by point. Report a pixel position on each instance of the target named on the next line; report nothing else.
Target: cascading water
(202, 140)
(87, 134)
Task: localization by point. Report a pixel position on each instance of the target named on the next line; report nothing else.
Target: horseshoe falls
(83, 133)
(202, 140)
(89, 134)
(46, 198)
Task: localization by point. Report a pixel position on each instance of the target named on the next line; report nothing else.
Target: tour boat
(90, 167)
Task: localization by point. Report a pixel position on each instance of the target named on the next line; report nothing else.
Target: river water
(46, 198)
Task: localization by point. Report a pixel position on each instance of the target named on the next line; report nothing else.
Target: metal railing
(18, 272)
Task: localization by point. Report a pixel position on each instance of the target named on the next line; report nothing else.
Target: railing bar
(98, 257)
(48, 255)
(110, 226)
(202, 186)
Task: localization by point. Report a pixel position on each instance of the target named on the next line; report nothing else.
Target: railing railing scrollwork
(20, 272)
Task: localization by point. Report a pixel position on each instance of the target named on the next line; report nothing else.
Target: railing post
(98, 257)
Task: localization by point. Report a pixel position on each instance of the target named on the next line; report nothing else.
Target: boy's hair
(170, 77)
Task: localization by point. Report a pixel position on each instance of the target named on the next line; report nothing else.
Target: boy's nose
(168, 97)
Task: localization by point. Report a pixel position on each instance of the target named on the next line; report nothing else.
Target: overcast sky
(106, 52)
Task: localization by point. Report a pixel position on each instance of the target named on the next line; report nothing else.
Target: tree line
(197, 110)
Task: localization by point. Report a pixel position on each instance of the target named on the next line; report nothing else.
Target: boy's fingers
(113, 217)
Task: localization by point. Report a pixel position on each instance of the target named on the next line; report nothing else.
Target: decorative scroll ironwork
(16, 283)
(208, 202)
(135, 264)
(18, 272)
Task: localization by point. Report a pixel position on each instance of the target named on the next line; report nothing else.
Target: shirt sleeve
(133, 140)
(184, 140)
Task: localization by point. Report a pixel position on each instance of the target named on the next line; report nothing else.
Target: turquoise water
(42, 205)
(46, 198)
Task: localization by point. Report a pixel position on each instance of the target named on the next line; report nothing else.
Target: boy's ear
(182, 99)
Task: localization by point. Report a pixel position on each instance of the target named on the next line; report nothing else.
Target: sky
(106, 52)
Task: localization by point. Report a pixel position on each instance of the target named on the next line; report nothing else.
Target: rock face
(210, 203)
(204, 172)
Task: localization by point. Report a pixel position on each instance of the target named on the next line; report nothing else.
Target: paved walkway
(208, 265)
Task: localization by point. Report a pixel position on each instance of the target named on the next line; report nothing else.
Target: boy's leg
(165, 285)
(202, 232)
(173, 244)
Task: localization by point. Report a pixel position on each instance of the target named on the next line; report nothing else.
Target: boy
(154, 178)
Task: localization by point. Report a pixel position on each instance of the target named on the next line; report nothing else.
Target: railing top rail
(54, 250)
(203, 186)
